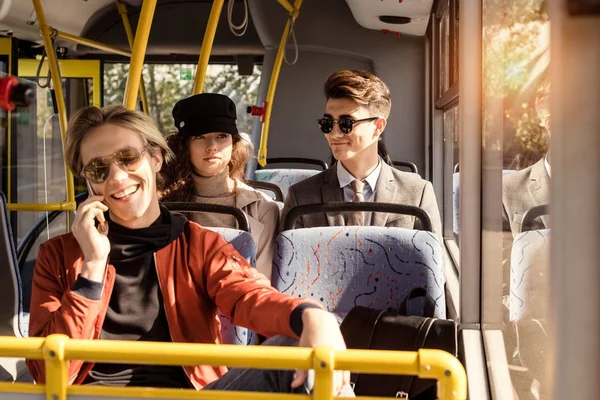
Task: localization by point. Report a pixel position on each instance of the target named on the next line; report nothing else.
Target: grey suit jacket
(523, 190)
(393, 186)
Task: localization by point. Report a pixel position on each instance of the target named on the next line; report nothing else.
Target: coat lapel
(539, 187)
(332, 192)
(385, 192)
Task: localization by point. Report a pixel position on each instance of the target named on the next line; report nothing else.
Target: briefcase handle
(418, 292)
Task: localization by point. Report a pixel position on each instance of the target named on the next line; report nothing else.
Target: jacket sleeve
(56, 309)
(244, 295)
(429, 204)
(266, 242)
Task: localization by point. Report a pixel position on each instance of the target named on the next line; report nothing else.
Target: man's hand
(320, 328)
(94, 245)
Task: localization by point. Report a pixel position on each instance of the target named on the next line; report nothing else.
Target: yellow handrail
(138, 53)
(57, 86)
(264, 137)
(58, 349)
(207, 43)
(91, 43)
(122, 8)
(287, 5)
(62, 206)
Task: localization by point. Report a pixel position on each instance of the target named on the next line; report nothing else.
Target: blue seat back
(284, 177)
(529, 275)
(342, 267)
(243, 243)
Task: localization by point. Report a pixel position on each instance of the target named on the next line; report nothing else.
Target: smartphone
(90, 189)
(102, 227)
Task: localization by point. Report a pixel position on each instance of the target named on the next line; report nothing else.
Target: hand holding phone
(102, 226)
(92, 240)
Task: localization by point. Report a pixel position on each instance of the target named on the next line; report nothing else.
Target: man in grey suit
(522, 190)
(358, 105)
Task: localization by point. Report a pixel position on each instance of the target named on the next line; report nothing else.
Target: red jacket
(197, 273)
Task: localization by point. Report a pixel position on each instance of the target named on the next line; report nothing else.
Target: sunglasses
(346, 124)
(128, 159)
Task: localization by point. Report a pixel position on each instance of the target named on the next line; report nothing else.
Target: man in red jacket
(131, 270)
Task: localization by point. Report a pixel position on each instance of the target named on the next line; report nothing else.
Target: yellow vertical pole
(138, 53)
(57, 86)
(122, 8)
(264, 137)
(9, 129)
(207, 43)
(57, 377)
(323, 365)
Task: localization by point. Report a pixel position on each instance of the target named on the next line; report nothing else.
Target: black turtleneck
(136, 310)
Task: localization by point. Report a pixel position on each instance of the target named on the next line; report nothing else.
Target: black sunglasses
(346, 124)
(128, 159)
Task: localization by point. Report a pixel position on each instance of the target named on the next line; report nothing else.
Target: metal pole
(57, 86)
(91, 43)
(138, 53)
(122, 8)
(207, 43)
(262, 151)
(287, 5)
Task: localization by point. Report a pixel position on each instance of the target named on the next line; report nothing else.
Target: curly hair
(179, 182)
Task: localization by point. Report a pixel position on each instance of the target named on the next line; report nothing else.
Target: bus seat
(11, 369)
(284, 177)
(243, 243)
(529, 275)
(272, 191)
(10, 284)
(370, 266)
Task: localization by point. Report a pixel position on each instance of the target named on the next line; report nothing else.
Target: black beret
(205, 113)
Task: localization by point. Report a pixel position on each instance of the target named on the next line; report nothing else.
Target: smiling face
(131, 196)
(210, 153)
(362, 140)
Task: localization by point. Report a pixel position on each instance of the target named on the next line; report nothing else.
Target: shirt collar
(345, 178)
(547, 165)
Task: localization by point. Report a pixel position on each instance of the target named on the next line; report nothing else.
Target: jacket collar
(539, 186)
(385, 192)
(245, 195)
(332, 192)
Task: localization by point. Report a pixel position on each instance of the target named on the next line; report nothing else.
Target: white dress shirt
(345, 179)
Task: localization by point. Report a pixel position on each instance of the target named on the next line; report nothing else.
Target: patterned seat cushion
(284, 178)
(529, 281)
(243, 243)
(369, 266)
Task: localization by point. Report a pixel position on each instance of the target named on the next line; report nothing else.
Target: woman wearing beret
(210, 158)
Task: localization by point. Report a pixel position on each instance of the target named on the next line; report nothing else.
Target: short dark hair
(362, 86)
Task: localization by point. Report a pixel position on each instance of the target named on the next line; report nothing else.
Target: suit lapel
(539, 187)
(385, 192)
(332, 192)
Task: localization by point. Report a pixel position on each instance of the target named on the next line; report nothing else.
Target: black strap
(373, 320)
(407, 380)
(418, 292)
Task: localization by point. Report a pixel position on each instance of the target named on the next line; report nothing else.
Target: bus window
(515, 179)
(36, 138)
(166, 84)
